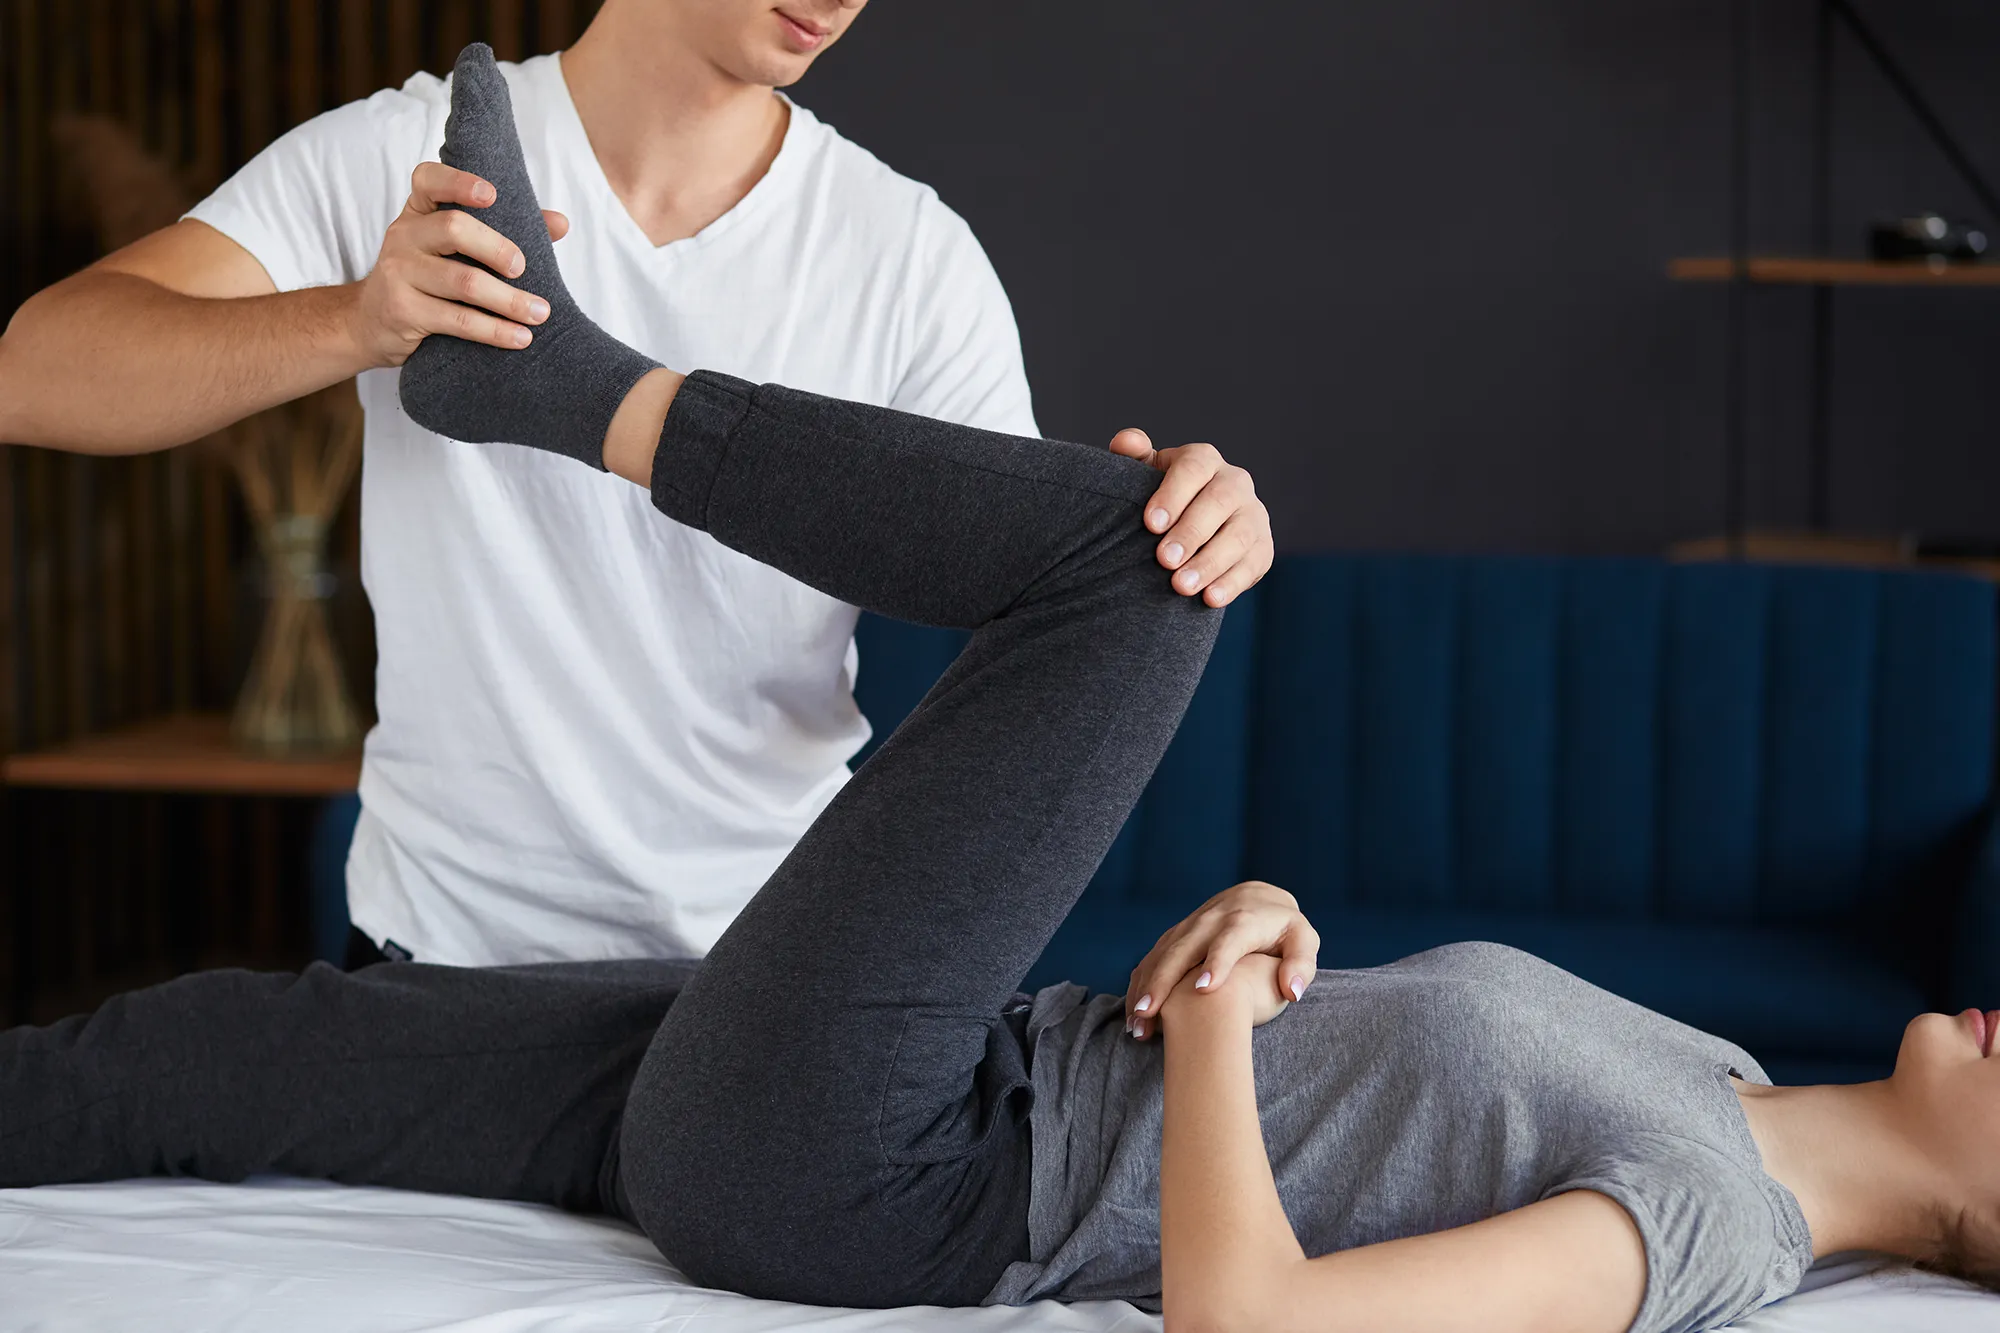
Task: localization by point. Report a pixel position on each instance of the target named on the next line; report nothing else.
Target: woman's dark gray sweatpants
(832, 1107)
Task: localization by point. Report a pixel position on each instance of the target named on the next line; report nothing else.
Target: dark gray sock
(558, 393)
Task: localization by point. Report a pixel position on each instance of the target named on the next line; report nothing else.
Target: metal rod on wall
(1819, 430)
(1920, 107)
(1736, 426)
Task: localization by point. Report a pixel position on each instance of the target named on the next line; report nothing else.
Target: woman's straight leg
(499, 1082)
(830, 1112)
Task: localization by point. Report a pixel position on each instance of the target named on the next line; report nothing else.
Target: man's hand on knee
(1215, 532)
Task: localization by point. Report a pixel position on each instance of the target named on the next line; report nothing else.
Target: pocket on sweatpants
(954, 1081)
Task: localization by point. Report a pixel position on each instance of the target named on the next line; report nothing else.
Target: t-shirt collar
(571, 137)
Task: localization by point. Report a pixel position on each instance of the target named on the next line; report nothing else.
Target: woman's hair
(1989, 1277)
(1970, 1252)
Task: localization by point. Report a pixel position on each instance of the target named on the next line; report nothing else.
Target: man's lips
(807, 31)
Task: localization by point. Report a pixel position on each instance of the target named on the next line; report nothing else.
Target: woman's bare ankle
(635, 428)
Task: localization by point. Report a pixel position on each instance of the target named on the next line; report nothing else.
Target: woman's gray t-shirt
(1406, 1099)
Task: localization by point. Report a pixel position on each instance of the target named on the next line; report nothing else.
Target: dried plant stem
(295, 465)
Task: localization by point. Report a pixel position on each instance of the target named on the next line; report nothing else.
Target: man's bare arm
(183, 332)
(174, 336)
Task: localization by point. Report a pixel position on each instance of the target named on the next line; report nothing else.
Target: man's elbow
(44, 399)
(24, 410)
(13, 395)
(25, 388)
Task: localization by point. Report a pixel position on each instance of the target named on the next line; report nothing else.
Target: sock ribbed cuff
(693, 442)
(597, 383)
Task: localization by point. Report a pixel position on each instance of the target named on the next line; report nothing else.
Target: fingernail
(1145, 1003)
(1201, 982)
(1158, 518)
(520, 337)
(515, 269)
(1173, 553)
(483, 193)
(1298, 988)
(1189, 579)
(538, 308)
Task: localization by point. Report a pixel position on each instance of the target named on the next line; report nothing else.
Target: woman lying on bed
(847, 1103)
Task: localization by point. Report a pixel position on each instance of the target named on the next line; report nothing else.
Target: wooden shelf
(1821, 548)
(186, 752)
(1780, 270)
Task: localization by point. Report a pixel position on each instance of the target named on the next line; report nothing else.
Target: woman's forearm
(1224, 1239)
(1230, 1263)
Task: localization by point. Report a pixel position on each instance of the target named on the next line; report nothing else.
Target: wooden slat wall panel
(29, 187)
(405, 44)
(254, 62)
(135, 561)
(452, 24)
(121, 584)
(73, 606)
(207, 92)
(134, 81)
(168, 106)
(559, 24)
(104, 40)
(9, 626)
(40, 637)
(302, 63)
(358, 50)
(506, 28)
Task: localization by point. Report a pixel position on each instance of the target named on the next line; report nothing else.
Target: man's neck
(680, 139)
(1860, 1180)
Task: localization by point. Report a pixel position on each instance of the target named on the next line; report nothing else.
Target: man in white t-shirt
(576, 758)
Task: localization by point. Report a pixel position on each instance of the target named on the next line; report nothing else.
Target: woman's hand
(1252, 993)
(1251, 919)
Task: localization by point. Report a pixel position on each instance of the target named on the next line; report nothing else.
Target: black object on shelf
(1834, 15)
(1927, 236)
(1946, 548)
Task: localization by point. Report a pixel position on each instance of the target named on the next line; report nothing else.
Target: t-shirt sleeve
(313, 206)
(964, 363)
(1716, 1245)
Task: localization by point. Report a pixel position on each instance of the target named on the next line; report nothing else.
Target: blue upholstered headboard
(1618, 740)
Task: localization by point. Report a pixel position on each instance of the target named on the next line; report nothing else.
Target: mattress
(304, 1257)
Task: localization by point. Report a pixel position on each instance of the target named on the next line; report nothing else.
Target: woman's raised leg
(834, 1111)
(831, 1112)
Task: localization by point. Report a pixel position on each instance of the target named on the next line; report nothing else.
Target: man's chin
(773, 67)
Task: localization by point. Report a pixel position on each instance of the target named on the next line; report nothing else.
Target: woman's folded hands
(1247, 945)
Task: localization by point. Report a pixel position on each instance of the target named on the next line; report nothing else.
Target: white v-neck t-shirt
(600, 731)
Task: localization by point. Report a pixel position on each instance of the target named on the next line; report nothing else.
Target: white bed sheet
(304, 1257)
